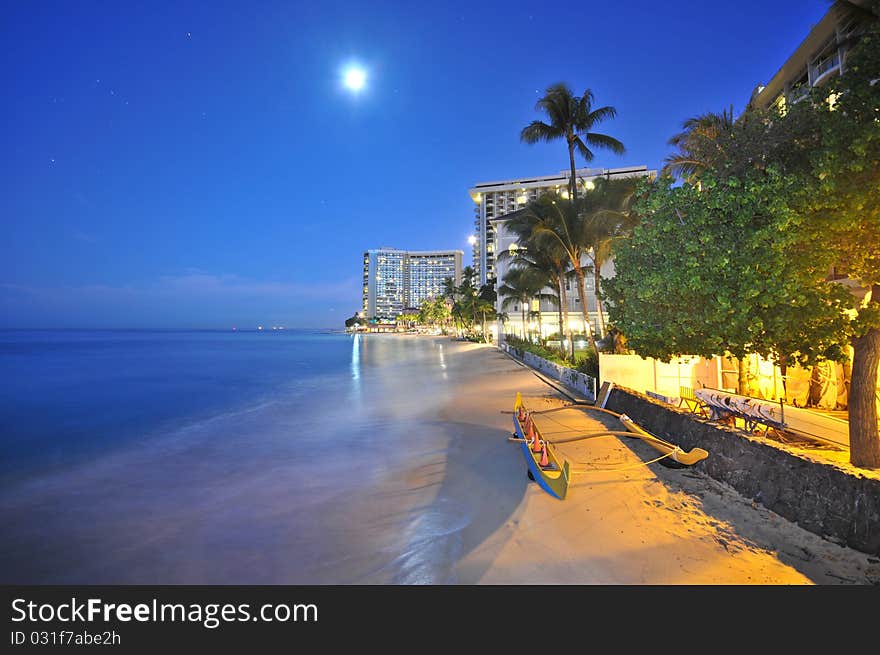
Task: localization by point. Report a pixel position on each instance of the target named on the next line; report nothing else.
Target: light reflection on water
(336, 484)
(356, 357)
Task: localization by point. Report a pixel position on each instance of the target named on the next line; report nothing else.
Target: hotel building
(820, 57)
(396, 280)
(495, 199)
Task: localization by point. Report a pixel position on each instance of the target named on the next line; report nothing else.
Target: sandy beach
(623, 522)
(398, 470)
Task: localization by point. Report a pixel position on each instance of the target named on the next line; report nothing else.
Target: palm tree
(559, 223)
(606, 217)
(468, 277)
(551, 259)
(449, 288)
(699, 145)
(571, 118)
(522, 284)
(486, 309)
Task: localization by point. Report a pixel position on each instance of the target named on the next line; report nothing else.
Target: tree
(706, 273)
(571, 118)
(549, 257)
(434, 312)
(486, 310)
(449, 288)
(559, 223)
(763, 260)
(468, 278)
(521, 285)
(700, 144)
(607, 216)
(841, 211)
(409, 319)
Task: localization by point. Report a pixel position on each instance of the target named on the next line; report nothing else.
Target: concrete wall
(574, 380)
(820, 497)
(648, 374)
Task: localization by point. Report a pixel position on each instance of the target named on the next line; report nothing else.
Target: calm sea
(70, 395)
(220, 457)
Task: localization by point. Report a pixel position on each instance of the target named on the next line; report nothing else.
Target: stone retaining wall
(825, 499)
(583, 384)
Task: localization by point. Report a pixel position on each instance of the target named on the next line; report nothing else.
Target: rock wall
(825, 499)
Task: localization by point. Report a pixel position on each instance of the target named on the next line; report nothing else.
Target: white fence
(574, 380)
(822, 386)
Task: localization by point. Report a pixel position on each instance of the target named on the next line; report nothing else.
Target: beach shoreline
(418, 484)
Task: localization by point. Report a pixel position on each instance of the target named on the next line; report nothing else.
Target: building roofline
(434, 252)
(447, 251)
(562, 175)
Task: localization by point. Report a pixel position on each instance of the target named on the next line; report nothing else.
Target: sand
(623, 522)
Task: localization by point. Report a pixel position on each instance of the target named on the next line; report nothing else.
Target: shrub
(586, 362)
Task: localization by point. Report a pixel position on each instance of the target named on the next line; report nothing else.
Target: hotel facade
(820, 57)
(494, 202)
(397, 280)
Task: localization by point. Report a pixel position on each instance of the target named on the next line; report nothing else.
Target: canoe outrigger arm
(555, 475)
(675, 453)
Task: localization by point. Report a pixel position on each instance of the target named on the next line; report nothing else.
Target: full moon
(355, 78)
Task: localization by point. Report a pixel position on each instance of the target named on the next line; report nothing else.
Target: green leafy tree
(572, 118)
(841, 211)
(706, 273)
(778, 254)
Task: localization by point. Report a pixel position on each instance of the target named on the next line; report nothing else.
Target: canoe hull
(552, 480)
(798, 420)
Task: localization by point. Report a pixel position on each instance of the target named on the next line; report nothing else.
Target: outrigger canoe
(554, 476)
(675, 453)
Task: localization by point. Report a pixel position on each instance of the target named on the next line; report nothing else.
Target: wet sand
(401, 475)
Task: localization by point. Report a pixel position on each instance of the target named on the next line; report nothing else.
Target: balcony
(826, 68)
(798, 93)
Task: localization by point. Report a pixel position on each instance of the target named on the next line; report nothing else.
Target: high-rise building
(495, 199)
(425, 272)
(495, 208)
(395, 280)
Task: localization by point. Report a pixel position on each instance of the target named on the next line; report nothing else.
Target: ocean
(221, 457)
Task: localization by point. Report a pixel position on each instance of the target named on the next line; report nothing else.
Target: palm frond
(539, 131)
(599, 115)
(604, 141)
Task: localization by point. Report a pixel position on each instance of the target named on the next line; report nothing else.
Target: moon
(355, 78)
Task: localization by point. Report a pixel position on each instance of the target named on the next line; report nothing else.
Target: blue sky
(201, 165)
